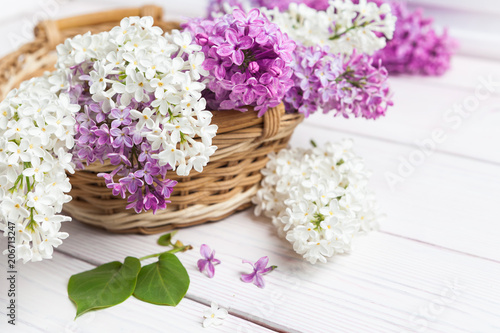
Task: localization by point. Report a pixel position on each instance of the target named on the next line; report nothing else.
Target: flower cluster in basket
(137, 99)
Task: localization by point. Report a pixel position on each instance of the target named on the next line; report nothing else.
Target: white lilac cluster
(344, 26)
(36, 132)
(318, 199)
(151, 78)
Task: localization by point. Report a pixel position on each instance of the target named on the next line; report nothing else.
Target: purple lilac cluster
(114, 136)
(248, 59)
(347, 85)
(416, 47)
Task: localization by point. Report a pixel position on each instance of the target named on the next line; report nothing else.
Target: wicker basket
(226, 184)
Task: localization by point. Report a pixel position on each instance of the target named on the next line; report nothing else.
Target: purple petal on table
(261, 263)
(201, 264)
(247, 262)
(247, 278)
(205, 251)
(259, 281)
(210, 270)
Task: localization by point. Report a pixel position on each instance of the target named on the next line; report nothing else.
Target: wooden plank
(446, 200)
(466, 73)
(420, 109)
(388, 284)
(43, 306)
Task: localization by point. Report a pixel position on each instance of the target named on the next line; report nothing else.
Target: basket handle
(53, 28)
(272, 121)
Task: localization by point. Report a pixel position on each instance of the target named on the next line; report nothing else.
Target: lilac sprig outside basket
(345, 85)
(248, 59)
(416, 47)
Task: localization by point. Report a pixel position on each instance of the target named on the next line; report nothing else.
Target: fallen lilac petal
(201, 264)
(210, 270)
(208, 261)
(259, 269)
(247, 277)
(205, 251)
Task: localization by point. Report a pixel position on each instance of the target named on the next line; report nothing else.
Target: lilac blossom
(208, 262)
(120, 116)
(141, 92)
(235, 46)
(345, 85)
(259, 269)
(248, 59)
(416, 47)
(103, 134)
(113, 136)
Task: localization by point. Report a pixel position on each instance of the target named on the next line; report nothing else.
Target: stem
(28, 184)
(183, 137)
(14, 187)
(32, 224)
(356, 84)
(174, 250)
(338, 35)
(345, 76)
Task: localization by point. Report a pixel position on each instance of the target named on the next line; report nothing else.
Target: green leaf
(104, 286)
(166, 240)
(164, 282)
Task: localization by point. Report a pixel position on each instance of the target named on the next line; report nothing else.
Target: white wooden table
(433, 267)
